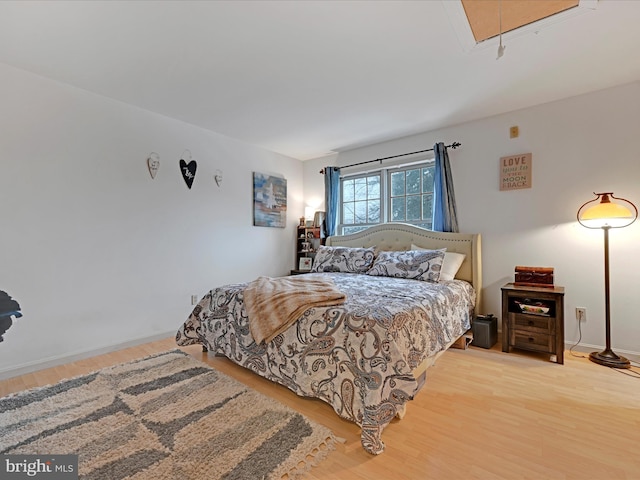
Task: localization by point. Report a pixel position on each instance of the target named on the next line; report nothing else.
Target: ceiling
(306, 78)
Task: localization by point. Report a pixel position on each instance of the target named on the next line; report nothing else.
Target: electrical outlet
(194, 299)
(581, 314)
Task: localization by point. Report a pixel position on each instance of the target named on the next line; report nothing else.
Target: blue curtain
(445, 217)
(331, 189)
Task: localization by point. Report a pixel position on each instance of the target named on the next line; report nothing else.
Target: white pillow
(450, 265)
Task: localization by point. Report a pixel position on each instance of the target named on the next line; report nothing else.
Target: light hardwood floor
(482, 414)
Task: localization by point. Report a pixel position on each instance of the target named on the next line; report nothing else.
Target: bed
(368, 356)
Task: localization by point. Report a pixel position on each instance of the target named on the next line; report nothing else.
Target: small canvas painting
(269, 200)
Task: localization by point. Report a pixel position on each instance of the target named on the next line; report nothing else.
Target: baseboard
(79, 355)
(588, 348)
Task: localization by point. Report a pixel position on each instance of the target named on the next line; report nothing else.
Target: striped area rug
(167, 416)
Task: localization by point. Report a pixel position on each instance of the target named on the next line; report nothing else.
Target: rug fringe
(317, 455)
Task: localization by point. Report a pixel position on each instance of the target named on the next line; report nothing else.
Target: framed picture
(515, 171)
(305, 263)
(269, 201)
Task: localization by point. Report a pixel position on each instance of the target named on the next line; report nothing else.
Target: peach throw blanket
(273, 304)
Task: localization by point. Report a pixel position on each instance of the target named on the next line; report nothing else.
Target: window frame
(422, 222)
(353, 227)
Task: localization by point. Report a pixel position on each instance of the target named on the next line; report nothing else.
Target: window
(403, 194)
(411, 199)
(361, 202)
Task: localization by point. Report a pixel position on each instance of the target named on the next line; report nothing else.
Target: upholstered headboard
(400, 236)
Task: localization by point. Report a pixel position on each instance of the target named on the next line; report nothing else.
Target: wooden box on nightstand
(539, 329)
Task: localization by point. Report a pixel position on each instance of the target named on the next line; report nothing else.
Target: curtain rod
(454, 145)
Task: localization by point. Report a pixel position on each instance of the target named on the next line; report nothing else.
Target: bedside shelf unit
(308, 240)
(533, 331)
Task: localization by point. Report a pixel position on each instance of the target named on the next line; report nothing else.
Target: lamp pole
(607, 357)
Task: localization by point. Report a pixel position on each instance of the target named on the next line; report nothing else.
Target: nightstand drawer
(528, 340)
(532, 323)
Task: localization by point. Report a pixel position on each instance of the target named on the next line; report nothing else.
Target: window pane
(373, 185)
(413, 181)
(398, 209)
(427, 179)
(374, 211)
(413, 207)
(347, 213)
(397, 184)
(360, 188)
(360, 212)
(347, 190)
(427, 207)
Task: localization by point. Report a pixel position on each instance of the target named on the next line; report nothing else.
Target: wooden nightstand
(529, 330)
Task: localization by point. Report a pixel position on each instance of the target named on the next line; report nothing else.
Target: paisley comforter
(358, 356)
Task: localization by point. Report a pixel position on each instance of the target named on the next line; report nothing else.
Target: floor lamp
(607, 212)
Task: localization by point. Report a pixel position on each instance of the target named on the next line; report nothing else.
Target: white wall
(95, 251)
(580, 145)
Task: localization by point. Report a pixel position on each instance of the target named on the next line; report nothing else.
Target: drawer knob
(531, 323)
(531, 339)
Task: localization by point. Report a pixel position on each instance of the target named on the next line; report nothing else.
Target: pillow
(343, 259)
(422, 264)
(450, 265)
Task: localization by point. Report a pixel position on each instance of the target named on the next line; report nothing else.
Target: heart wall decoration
(153, 164)
(188, 169)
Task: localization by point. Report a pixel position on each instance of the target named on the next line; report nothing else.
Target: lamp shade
(308, 213)
(602, 212)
